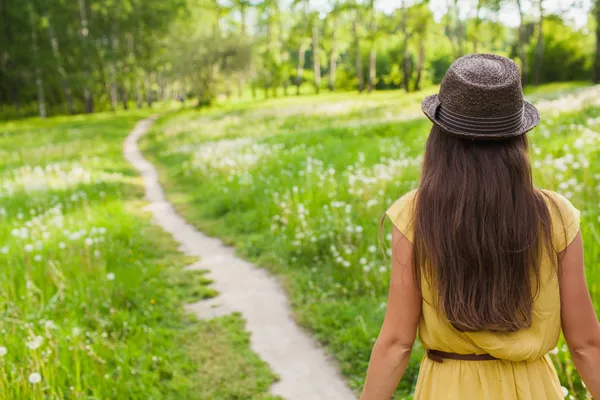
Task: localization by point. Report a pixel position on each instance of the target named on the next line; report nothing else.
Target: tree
(522, 41)
(37, 62)
(315, 49)
(334, 18)
(596, 11)
(303, 33)
(373, 42)
(356, 20)
(539, 50)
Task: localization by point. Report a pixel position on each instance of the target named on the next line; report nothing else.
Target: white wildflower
(50, 325)
(3, 351)
(35, 343)
(28, 248)
(565, 391)
(110, 276)
(35, 378)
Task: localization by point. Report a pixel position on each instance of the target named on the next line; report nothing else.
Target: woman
(486, 266)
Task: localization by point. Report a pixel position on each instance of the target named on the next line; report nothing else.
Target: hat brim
(531, 118)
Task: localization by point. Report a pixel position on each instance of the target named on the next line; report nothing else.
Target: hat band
(468, 124)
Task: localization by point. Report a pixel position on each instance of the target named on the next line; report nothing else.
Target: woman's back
(523, 363)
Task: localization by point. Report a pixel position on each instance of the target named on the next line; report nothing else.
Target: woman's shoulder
(401, 213)
(559, 203)
(565, 218)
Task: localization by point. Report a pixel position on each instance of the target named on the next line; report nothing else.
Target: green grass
(299, 185)
(92, 292)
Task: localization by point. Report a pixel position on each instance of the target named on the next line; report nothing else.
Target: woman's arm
(579, 321)
(393, 347)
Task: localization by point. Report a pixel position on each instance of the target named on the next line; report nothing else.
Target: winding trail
(305, 372)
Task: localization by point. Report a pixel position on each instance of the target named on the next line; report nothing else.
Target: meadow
(93, 293)
(299, 184)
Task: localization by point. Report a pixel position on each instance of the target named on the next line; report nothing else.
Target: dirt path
(305, 372)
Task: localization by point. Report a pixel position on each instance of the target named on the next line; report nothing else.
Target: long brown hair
(481, 228)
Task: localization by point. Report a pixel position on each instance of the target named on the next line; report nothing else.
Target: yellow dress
(525, 370)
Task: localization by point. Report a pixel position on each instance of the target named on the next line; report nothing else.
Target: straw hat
(481, 98)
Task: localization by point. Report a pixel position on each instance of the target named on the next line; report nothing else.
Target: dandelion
(28, 248)
(88, 241)
(37, 258)
(50, 325)
(110, 276)
(35, 343)
(372, 249)
(62, 245)
(35, 378)
(3, 351)
(363, 261)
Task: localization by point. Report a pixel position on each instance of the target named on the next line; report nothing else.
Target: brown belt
(439, 356)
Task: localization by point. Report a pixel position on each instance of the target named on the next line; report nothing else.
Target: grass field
(299, 185)
(92, 292)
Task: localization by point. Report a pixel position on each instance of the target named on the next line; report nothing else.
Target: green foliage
(573, 48)
(93, 55)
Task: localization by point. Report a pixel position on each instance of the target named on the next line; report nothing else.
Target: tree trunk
(243, 19)
(405, 60)
(459, 30)
(8, 67)
(36, 59)
(316, 61)
(240, 86)
(64, 81)
(87, 93)
(522, 54)
(477, 26)
(139, 101)
(420, 63)
(372, 67)
(539, 50)
(373, 52)
(300, 68)
(597, 60)
(124, 97)
(113, 94)
(359, 73)
(333, 60)
(149, 90)
(450, 31)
